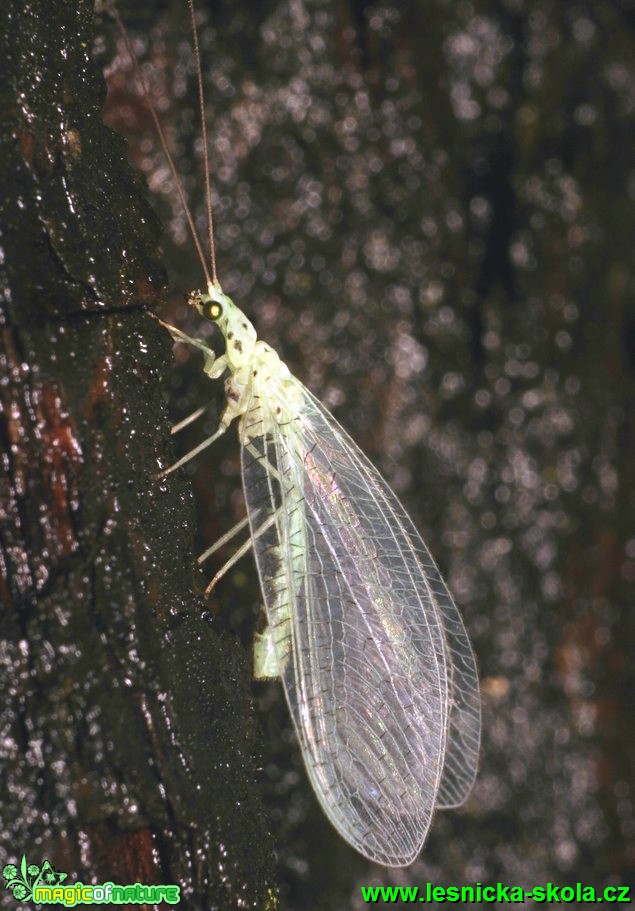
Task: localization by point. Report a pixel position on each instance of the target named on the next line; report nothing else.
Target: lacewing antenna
(210, 279)
(201, 102)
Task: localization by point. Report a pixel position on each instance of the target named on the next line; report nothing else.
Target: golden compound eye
(212, 309)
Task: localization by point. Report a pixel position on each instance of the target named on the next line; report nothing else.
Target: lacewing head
(240, 335)
(213, 304)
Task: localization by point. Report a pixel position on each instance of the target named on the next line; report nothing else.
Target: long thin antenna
(163, 140)
(201, 101)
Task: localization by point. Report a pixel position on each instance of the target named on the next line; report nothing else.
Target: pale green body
(246, 357)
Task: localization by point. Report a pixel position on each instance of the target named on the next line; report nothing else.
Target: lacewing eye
(212, 310)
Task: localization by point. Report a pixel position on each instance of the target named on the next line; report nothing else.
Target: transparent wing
(464, 703)
(352, 598)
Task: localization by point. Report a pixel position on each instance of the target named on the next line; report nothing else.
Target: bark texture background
(127, 746)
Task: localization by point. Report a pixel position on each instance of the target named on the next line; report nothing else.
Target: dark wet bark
(127, 748)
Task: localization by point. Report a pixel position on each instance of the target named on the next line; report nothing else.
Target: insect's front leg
(179, 336)
(237, 392)
(214, 367)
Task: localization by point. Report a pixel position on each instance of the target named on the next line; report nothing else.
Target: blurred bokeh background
(427, 208)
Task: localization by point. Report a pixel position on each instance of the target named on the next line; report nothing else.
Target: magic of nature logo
(45, 885)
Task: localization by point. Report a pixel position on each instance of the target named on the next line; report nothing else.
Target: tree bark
(127, 747)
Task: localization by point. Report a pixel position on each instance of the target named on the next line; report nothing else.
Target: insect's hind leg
(235, 557)
(223, 540)
(176, 428)
(242, 550)
(266, 658)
